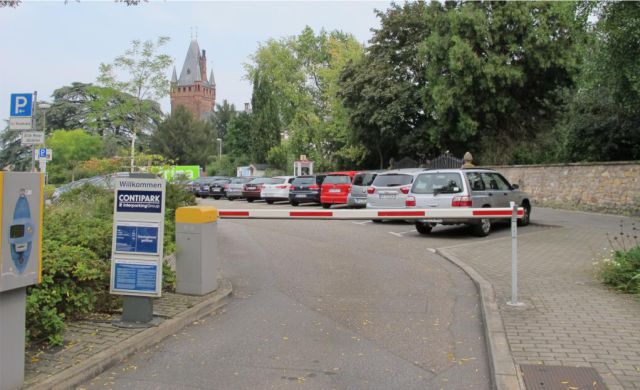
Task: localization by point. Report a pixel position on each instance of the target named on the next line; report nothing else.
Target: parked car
(357, 198)
(336, 188)
(251, 190)
(389, 189)
(217, 188)
(474, 187)
(233, 190)
(203, 184)
(277, 190)
(305, 189)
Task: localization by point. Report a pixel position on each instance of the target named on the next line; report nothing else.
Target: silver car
(234, 189)
(361, 181)
(389, 190)
(447, 188)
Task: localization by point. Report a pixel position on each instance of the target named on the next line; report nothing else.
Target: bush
(76, 254)
(621, 269)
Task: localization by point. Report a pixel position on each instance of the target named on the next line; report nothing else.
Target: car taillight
(410, 202)
(314, 187)
(404, 190)
(226, 186)
(371, 190)
(281, 187)
(461, 201)
(244, 187)
(292, 187)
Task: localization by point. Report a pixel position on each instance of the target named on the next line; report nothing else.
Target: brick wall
(605, 187)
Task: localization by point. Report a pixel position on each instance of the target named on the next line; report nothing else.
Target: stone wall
(612, 188)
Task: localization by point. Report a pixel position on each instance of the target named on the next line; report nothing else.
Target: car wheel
(294, 203)
(231, 199)
(423, 227)
(376, 220)
(526, 218)
(250, 200)
(216, 197)
(269, 201)
(483, 228)
(326, 205)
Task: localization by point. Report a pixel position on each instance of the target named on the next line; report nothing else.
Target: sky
(45, 45)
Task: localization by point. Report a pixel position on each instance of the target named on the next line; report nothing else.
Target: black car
(305, 189)
(202, 187)
(218, 188)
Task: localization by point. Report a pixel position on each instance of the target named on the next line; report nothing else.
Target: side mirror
(514, 186)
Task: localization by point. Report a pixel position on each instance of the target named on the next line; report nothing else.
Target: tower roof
(174, 77)
(212, 79)
(191, 69)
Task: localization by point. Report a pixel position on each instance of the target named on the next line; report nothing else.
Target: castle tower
(192, 89)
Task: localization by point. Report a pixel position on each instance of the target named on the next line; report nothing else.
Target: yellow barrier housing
(196, 214)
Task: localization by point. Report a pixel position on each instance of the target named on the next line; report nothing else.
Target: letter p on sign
(21, 104)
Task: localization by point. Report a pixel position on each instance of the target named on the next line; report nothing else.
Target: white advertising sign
(32, 138)
(138, 235)
(20, 123)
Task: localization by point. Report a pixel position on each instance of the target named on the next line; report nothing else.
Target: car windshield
(239, 181)
(392, 180)
(278, 180)
(337, 179)
(261, 180)
(437, 183)
(300, 181)
(364, 179)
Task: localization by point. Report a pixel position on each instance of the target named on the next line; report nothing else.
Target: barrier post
(514, 256)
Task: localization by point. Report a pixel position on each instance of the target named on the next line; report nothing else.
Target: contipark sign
(138, 234)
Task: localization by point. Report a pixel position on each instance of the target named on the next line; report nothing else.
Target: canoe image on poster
(135, 277)
(137, 237)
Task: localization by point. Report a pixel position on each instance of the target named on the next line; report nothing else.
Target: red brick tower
(192, 89)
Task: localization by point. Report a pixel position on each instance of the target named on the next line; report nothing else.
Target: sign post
(138, 236)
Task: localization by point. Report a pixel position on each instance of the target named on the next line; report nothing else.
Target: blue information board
(136, 239)
(139, 201)
(135, 277)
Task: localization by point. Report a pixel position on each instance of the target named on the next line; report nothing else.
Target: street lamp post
(220, 147)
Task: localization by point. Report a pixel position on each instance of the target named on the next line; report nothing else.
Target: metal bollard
(197, 250)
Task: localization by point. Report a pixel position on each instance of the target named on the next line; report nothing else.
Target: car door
(499, 189)
(477, 189)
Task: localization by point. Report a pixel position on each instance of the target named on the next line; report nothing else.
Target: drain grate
(539, 377)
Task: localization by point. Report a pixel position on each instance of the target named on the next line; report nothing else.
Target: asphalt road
(327, 305)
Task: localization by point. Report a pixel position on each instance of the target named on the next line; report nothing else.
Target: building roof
(212, 79)
(174, 77)
(191, 69)
(261, 167)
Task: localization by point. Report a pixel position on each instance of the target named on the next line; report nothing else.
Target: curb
(504, 371)
(102, 361)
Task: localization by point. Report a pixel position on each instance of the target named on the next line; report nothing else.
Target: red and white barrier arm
(349, 214)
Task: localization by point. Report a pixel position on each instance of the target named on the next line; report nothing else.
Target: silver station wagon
(474, 187)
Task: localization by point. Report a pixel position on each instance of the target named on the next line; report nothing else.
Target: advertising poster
(137, 237)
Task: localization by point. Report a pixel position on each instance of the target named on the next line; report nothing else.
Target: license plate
(251, 188)
(205, 188)
(359, 200)
(334, 190)
(301, 196)
(387, 196)
(216, 189)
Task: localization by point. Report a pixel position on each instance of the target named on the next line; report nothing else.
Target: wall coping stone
(578, 164)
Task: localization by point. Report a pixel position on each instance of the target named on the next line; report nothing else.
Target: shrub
(76, 255)
(621, 268)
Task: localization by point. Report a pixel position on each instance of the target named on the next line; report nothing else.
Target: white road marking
(361, 223)
(400, 234)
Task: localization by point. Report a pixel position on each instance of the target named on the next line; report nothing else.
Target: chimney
(203, 66)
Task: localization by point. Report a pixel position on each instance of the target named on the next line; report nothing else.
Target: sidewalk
(92, 346)
(570, 318)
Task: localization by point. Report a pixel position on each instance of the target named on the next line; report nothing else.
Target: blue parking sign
(21, 104)
(42, 153)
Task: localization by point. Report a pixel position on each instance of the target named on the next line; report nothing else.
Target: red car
(251, 190)
(336, 188)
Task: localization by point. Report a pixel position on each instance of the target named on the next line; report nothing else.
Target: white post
(514, 256)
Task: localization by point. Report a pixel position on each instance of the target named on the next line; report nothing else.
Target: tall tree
(223, 116)
(266, 124)
(185, 140)
(603, 119)
(237, 140)
(71, 148)
(146, 81)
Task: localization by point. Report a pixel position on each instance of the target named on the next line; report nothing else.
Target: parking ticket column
(137, 246)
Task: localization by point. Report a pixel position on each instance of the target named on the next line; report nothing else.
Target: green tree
(302, 73)
(603, 119)
(222, 116)
(185, 140)
(266, 124)
(236, 141)
(146, 81)
(72, 147)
